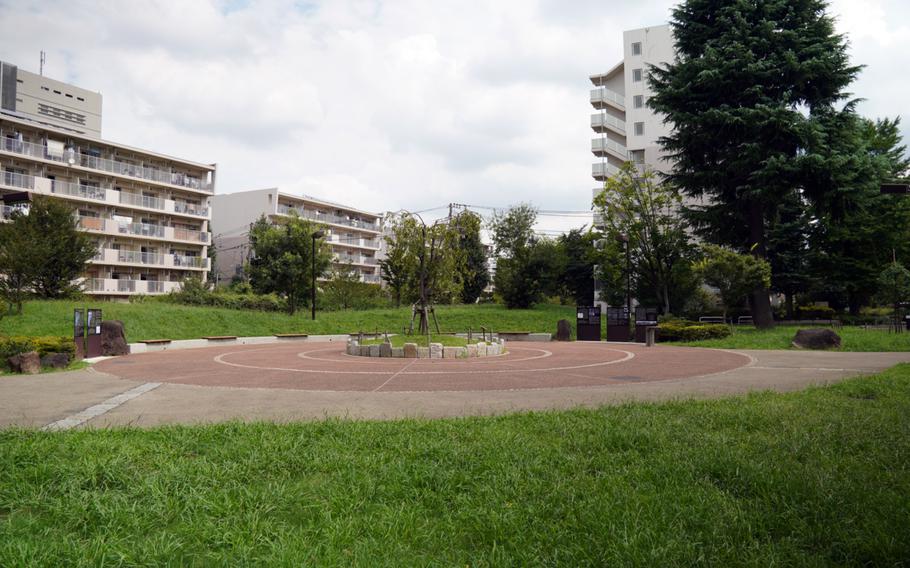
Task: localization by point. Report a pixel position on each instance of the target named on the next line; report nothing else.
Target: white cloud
(382, 105)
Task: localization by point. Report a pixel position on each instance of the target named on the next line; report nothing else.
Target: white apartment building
(626, 128)
(355, 236)
(147, 212)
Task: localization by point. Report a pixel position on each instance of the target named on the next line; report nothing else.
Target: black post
(316, 235)
(629, 278)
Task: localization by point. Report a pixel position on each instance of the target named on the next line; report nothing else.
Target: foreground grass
(780, 337)
(820, 477)
(158, 320)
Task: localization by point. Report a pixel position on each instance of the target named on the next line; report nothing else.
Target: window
(639, 128)
(636, 48)
(637, 156)
(636, 75)
(638, 101)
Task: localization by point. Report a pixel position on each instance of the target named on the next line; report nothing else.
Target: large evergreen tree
(747, 97)
(472, 264)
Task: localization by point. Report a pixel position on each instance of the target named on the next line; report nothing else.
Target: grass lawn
(780, 337)
(158, 320)
(400, 340)
(820, 477)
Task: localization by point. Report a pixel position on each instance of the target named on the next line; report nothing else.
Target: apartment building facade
(354, 236)
(148, 213)
(625, 128)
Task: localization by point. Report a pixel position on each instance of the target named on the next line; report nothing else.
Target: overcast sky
(380, 105)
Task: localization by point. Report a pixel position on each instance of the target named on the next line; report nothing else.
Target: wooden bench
(155, 341)
(291, 335)
(711, 319)
(219, 337)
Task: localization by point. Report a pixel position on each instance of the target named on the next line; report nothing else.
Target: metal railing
(190, 235)
(190, 261)
(18, 180)
(602, 120)
(139, 200)
(139, 257)
(191, 209)
(326, 217)
(75, 157)
(599, 145)
(370, 278)
(141, 229)
(603, 94)
(604, 170)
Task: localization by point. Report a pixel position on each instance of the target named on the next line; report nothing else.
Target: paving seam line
(100, 408)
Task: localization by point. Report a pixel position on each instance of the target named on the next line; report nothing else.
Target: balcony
(351, 242)
(73, 157)
(327, 218)
(603, 96)
(602, 171)
(135, 257)
(370, 278)
(6, 212)
(98, 194)
(601, 146)
(601, 122)
(123, 286)
(355, 259)
(112, 227)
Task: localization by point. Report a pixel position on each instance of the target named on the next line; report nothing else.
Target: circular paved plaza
(326, 367)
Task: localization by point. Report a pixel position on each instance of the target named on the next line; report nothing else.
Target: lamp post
(316, 235)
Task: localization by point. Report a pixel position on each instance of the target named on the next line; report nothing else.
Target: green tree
(734, 275)
(747, 97)
(579, 256)
(342, 289)
(634, 204)
(472, 261)
(399, 265)
(282, 261)
(527, 268)
(17, 264)
(858, 230)
(59, 249)
(894, 285)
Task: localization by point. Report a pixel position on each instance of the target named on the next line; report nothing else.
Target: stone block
(816, 339)
(364, 350)
(471, 350)
(452, 352)
(56, 360)
(410, 350)
(436, 351)
(398, 352)
(113, 339)
(481, 349)
(563, 330)
(374, 350)
(423, 353)
(28, 363)
(385, 349)
(492, 349)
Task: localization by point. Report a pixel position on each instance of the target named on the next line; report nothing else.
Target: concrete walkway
(88, 398)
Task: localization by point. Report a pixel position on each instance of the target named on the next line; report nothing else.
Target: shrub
(815, 312)
(682, 330)
(11, 346)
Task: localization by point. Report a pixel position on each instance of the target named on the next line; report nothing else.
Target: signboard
(618, 324)
(587, 323)
(895, 188)
(93, 335)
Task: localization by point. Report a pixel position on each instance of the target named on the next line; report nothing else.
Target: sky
(381, 105)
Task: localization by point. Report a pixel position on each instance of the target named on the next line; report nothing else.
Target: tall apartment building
(147, 212)
(354, 236)
(627, 129)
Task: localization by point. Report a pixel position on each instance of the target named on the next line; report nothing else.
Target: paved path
(294, 382)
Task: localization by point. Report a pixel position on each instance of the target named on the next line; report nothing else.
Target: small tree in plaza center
(734, 275)
(894, 290)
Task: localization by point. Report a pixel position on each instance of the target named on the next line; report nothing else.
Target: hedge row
(691, 331)
(10, 346)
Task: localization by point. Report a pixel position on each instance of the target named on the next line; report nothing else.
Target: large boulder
(28, 363)
(563, 330)
(410, 350)
(816, 339)
(113, 339)
(56, 360)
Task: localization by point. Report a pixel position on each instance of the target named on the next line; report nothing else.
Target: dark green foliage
(681, 330)
(578, 258)
(732, 274)
(473, 271)
(344, 290)
(527, 267)
(194, 292)
(282, 261)
(750, 96)
(42, 252)
(894, 285)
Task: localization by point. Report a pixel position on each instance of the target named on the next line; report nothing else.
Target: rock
(56, 360)
(563, 330)
(816, 339)
(436, 351)
(471, 350)
(113, 339)
(481, 349)
(454, 353)
(410, 350)
(385, 349)
(492, 349)
(423, 352)
(398, 352)
(364, 350)
(374, 350)
(28, 363)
